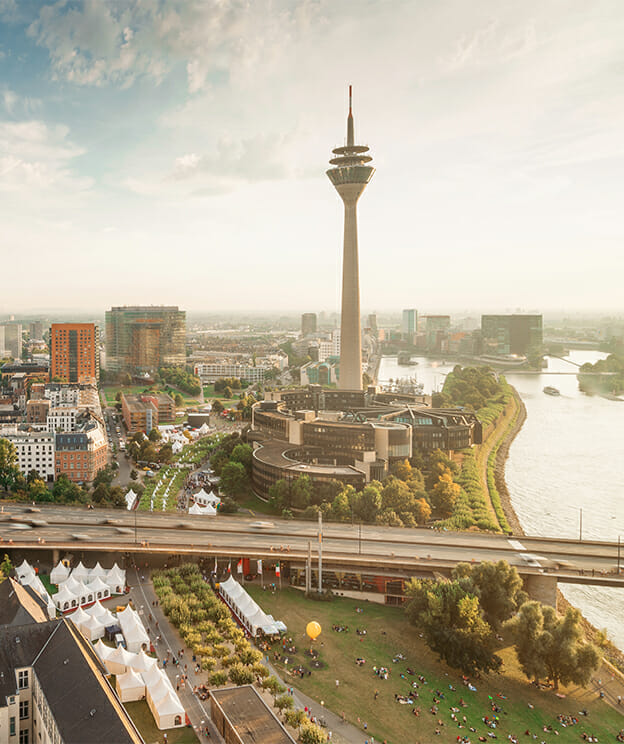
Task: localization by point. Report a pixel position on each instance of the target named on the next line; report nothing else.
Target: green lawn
(110, 391)
(144, 721)
(389, 633)
(254, 504)
(45, 580)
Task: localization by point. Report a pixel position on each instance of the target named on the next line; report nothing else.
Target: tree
(227, 392)
(5, 567)
(498, 586)
(553, 646)
(234, 479)
(279, 494)
(154, 435)
(453, 626)
(179, 400)
(118, 395)
(397, 496)
(133, 474)
(444, 495)
(341, 508)
(402, 470)
(367, 503)
(422, 511)
(243, 453)
(301, 492)
(8, 464)
(100, 493)
(217, 406)
(38, 491)
(310, 733)
(165, 453)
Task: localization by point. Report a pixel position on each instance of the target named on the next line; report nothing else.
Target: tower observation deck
(350, 174)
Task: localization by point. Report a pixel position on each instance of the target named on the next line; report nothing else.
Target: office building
(36, 330)
(143, 339)
(74, 352)
(308, 324)
(145, 412)
(437, 332)
(11, 340)
(511, 334)
(241, 716)
(372, 323)
(350, 174)
(409, 325)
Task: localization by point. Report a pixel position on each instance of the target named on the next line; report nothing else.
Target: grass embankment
(389, 633)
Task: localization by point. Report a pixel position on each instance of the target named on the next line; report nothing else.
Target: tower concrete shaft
(350, 176)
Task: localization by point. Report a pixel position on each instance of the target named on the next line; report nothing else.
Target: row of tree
(461, 620)
(182, 378)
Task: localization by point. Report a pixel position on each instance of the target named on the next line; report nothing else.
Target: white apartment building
(35, 450)
(330, 347)
(62, 418)
(211, 372)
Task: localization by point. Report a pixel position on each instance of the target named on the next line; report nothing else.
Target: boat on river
(549, 390)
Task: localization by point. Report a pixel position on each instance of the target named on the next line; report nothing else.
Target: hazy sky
(154, 151)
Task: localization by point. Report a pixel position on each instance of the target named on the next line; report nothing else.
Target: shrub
(284, 701)
(272, 684)
(294, 718)
(218, 678)
(208, 663)
(241, 675)
(260, 671)
(310, 733)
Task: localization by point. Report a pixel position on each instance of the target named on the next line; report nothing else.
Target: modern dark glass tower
(350, 174)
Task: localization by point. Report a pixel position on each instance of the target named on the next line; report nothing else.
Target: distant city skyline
(174, 153)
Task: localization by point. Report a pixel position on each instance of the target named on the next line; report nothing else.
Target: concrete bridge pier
(56, 556)
(542, 588)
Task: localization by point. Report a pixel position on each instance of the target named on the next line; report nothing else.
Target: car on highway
(261, 524)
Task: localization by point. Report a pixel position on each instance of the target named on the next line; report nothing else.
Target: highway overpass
(54, 530)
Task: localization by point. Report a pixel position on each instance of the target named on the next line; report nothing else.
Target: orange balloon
(313, 629)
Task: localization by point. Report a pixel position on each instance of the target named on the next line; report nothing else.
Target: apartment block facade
(74, 352)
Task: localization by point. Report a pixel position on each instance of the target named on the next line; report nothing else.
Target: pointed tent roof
(64, 595)
(97, 585)
(129, 680)
(152, 676)
(72, 584)
(79, 617)
(203, 511)
(59, 573)
(80, 573)
(92, 624)
(121, 656)
(143, 662)
(160, 689)
(96, 610)
(97, 571)
(103, 651)
(169, 705)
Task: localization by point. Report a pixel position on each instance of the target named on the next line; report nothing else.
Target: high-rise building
(142, 339)
(36, 330)
(350, 175)
(372, 322)
(511, 334)
(308, 324)
(11, 340)
(409, 324)
(436, 332)
(74, 352)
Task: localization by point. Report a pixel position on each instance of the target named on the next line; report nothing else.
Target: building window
(12, 726)
(23, 737)
(23, 709)
(22, 679)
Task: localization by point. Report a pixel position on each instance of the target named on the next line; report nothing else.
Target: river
(566, 464)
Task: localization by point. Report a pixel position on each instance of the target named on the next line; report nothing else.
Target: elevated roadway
(363, 548)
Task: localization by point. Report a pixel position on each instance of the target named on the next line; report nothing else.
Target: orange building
(74, 352)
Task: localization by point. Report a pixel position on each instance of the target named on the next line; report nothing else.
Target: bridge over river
(49, 532)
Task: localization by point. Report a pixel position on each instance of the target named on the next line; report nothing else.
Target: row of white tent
(133, 629)
(251, 615)
(138, 676)
(27, 576)
(115, 577)
(205, 504)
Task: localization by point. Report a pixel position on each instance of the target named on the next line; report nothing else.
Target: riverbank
(612, 653)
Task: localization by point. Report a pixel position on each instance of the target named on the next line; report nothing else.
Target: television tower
(350, 175)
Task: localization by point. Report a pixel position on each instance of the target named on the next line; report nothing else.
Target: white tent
(119, 660)
(80, 573)
(92, 628)
(24, 569)
(129, 686)
(85, 594)
(136, 638)
(248, 611)
(97, 572)
(177, 447)
(116, 580)
(96, 610)
(204, 498)
(65, 599)
(103, 651)
(71, 584)
(167, 711)
(203, 429)
(78, 617)
(130, 499)
(203, 511)
(153, 676)
(99, 588)
(59, 573)
(144, 663)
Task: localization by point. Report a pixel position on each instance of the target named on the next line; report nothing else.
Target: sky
(174, 152)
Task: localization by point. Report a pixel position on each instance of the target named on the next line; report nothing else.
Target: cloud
(15, 104)
(97, 43)
(36, 157)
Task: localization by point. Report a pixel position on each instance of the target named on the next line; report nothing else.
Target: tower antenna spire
(350, 135)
